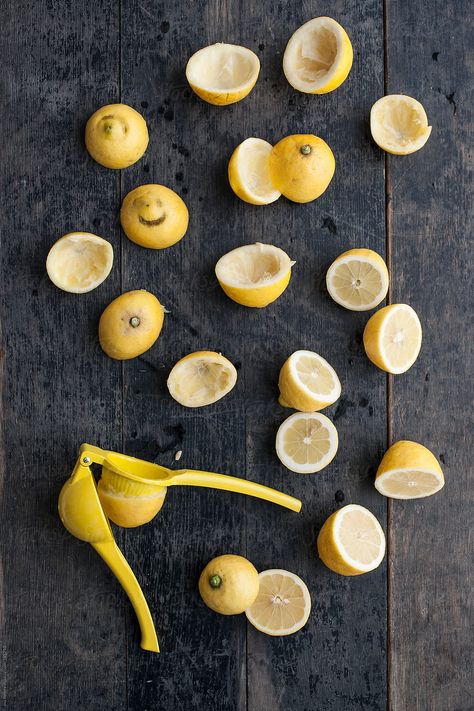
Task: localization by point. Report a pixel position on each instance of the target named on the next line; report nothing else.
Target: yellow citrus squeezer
(84, 517)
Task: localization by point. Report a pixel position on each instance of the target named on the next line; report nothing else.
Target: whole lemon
(130, 324)
(154, 216)
(301, 167)
(116, 136)
(229, 584)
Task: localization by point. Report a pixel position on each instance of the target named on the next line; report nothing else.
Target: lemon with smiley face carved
(116, 136)
(154, 216)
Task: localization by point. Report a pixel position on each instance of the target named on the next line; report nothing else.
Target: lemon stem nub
(108, 128)
(134, 321)
(306, 149)
(215, 581)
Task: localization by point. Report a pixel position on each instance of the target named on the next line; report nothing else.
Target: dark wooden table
(401, 635)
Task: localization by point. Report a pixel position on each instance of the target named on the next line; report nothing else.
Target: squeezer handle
(225, 482)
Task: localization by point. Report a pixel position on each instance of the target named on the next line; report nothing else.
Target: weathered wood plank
(431, 202)
(63, 631)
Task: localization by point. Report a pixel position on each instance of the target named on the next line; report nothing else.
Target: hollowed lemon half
(307, 382)
(318, 56)
(255, 274)
(392, 338)
(201, 378)
(399, 124)
(358, 279)
(306, 442)
(223, 74)
(79, 262)
(249, 172)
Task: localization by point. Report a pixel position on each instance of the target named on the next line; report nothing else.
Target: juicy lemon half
(116, 136)
(306, 442)
(201, 378)
(301, 167)
(307, 382)
(351, 541)
(79, 262)
(358, 279)
(282, 605)
(392, 338)
(249, 172)
(399, 124)
(318, 57)
(408, 470)
(223, 74)
(255, 274)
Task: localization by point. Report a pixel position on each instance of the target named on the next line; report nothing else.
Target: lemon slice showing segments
(351, 541)
(399, 124)
(282, 605)
(318, 57)
(249, 173)
(306, 442)
(358, 279)
(223, 74)
(392, 338)
(255, 274)
(409, 470)
(79, 262)
(307, 382)
(201, 378)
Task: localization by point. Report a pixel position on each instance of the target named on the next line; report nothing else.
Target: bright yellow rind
(239, 584)
(116, 136)
(412, 456)
(338, 71)
(293, 395)
(150, 204)
(180, 378)
(220, 96)
(399, 124)
(130, 511)
(117, 337)
(301, 177)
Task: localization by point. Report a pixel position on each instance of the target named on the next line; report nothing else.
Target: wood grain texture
(431, 203)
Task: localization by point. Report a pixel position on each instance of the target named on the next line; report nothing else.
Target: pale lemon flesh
(249, 173)
(399, 124)
(222, 73)
(306, 442)
(307, 382)
(201, 379)
(283, 603)
(79, 262)
(358, 280)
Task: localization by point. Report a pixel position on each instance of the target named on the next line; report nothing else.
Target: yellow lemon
(255, 274)
(223, 74)
(116, 136)
(301, 167)
(351, 541)
(318, 57)
(306, 442)
(408, 470)
(282, 605)
(154, 216)
(307, 382)
(249, 172)
(79, 262)
(201, 378)
(128, 503)
(229, 584)
(399, 124)
(130, 324)
(358, 279)
(392, 338)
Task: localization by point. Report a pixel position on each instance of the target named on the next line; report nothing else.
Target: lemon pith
(249, 173)
(307, 382)
(130, 324)
(408, 470)
(318, 56)
(201, 378)
(116, 136)
(229, 584)
(254, 275)
(301, 167)
(399, 124)
(283, 603)
(79, 262)
(306, 442)
(351, 541)
(223, 74)
(392, 338)
(358, 279)
(154, 216)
